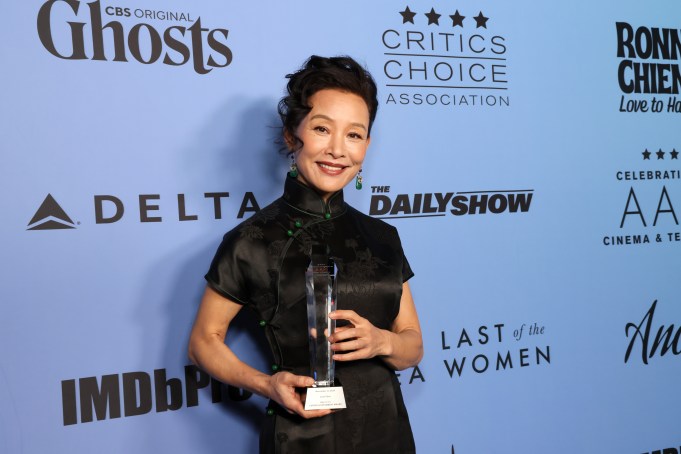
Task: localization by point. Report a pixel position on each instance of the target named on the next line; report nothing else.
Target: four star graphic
(434, 18)
(660, 154)
(407, 15)
(457, 19)
(480, 20)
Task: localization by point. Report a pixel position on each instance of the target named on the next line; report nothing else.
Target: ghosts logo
(144, 43)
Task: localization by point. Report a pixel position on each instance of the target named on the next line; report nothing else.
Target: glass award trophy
(320, 285)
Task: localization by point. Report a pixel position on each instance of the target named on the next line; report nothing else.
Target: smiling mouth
(331, 169)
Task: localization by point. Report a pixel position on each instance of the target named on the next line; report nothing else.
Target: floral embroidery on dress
(360, 272)
(282, 437)
(321, 229)
(251, 231)
(276, 247)
(268, 213)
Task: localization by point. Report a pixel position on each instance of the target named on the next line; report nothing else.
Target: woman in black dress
(327, 118)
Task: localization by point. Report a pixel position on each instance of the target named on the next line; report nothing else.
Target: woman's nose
(336, 146)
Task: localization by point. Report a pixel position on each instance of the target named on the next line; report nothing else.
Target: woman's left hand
(360, 339)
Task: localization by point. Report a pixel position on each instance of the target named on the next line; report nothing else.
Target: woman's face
(335, 139)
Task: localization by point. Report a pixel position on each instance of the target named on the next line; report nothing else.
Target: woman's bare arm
(207, 349)
(401, 347)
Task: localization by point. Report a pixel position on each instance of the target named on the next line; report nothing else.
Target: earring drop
(293, 171)
(358, 180)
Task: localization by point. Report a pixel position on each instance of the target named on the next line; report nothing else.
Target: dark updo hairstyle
(319, 73)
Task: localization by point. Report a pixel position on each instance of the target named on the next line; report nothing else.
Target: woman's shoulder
(256, 228)
(371, 222)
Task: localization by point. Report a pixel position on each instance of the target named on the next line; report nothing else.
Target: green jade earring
(293, 171)
(358, 180)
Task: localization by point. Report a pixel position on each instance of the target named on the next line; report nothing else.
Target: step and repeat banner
(528, 154)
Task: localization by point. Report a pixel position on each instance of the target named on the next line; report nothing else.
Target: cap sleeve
(228, 270)
(407, 272)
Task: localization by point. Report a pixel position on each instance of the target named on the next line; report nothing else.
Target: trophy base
(325, 398)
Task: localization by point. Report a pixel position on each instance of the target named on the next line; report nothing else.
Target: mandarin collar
(308, 200)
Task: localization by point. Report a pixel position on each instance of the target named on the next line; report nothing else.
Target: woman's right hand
(207, 349)
(285, 390)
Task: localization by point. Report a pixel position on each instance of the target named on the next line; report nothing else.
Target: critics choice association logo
(649, 191)
(74, 30)
(649, 70)
(387, 205)
(444, 56)
(147, 208)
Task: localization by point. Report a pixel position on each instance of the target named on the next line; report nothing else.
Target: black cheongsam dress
(261, 264)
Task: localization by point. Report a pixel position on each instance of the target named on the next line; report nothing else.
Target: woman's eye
(354, 135)
(320, 129)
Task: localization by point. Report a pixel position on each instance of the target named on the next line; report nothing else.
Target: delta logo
(148, 208)
(50, 216)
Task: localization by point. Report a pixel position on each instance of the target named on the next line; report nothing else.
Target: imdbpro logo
(50, 216)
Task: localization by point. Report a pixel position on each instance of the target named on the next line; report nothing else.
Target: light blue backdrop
(544, 124)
